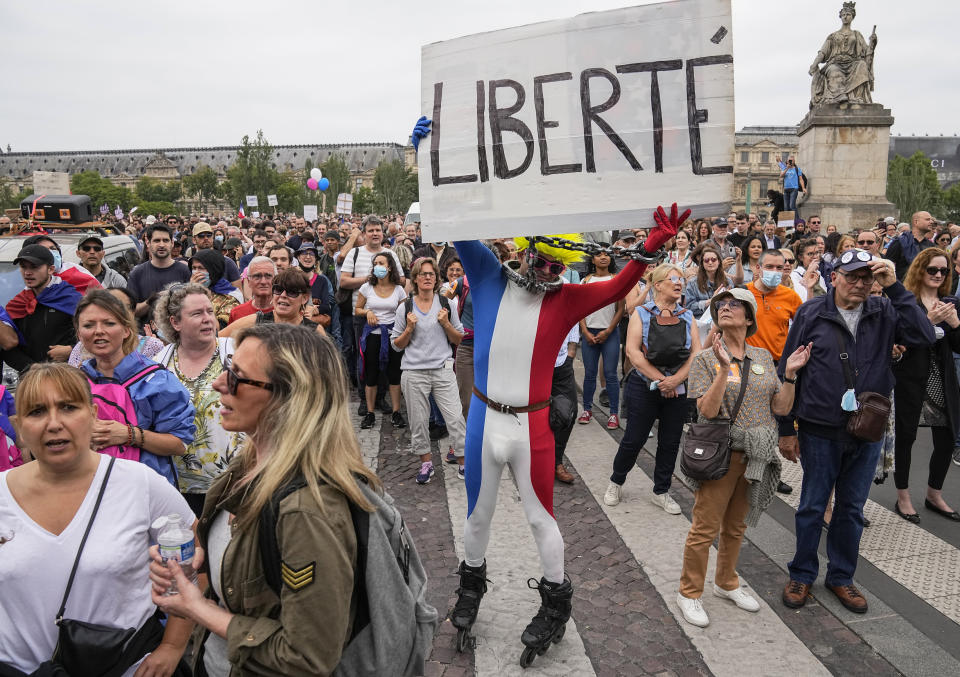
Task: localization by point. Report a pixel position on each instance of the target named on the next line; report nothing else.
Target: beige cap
(748, 300)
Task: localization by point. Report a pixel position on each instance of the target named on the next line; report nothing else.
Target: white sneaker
(665, 501)
(613, 495)
(739, 597)
(693, 611)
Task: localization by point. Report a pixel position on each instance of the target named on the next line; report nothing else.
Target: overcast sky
(114, 74)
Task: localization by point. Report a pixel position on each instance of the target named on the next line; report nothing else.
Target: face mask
(218, 238)
(380, 271)
(206, 280)
(849, 401)
(771, 278)
(57, 260)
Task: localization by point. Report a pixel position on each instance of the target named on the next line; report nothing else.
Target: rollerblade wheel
(526, 658)
(463, 640)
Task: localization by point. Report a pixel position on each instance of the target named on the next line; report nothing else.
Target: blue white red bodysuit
(517, 335)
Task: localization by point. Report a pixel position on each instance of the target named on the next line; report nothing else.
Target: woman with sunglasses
(377, 302)
(196, 357)
(710, 279)
(601, 339)
(286, 389)
(165, 415)
(291, 296)
(927, 392)
(943, 240)
(789, 262)
(661, 345)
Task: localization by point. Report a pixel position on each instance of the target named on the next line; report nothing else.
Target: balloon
(312, 183)
(316, 174)
(323, 184)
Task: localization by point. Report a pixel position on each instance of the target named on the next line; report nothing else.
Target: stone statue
(847, 73)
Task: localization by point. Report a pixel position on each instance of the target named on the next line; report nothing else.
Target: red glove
(666, 228)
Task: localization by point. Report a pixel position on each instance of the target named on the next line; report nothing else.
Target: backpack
(444, 305)
(10, 456)
(664, 337)
(115, 404)
(394, 625)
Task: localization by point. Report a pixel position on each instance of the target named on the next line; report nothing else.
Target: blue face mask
(771, 278)
(849, 401)
(218, 238)
(380, 271)
(57, 260)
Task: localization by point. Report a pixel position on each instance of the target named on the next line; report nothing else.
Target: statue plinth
(843, 151)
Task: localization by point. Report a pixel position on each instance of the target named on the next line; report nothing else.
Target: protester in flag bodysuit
(520, 320)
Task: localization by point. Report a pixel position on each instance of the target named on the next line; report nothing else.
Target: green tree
(912, 185)
(334, 170)
(151, 190)
(10, 198)
(950, 204)
(364, 200)
(202, 185)
(155, 207)
(252, 172)
(101, 191)
(396, 186)
(290, 193)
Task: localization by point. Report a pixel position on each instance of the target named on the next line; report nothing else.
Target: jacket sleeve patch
(297, 579)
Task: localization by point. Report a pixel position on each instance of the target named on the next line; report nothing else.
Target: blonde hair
(787, 280)
(662, 272)
(104, 300)
(564, 256)
(170, 304)
(306, 423)
(44, 377)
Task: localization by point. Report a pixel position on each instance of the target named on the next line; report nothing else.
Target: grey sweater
(428, 347)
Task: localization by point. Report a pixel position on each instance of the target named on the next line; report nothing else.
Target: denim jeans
(610, 351)
(850, 467)
(644, 406)
(790, 199)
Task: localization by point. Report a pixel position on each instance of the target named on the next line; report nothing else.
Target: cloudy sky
(112, 74)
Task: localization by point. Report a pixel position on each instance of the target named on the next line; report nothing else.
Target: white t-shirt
(384, 308)
(363, 264)
(601, 318)
(112, 585)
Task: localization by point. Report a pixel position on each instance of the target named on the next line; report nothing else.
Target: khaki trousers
(720, 507)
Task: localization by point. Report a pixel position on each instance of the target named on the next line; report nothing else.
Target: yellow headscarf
(564, 256)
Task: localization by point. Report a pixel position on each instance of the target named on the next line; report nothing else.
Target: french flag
(240, 213)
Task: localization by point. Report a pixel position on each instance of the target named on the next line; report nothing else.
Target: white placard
(51, 183)
(271, 200)
(255, 214)
(252, 201)
(579, 124)
(309, 213)
(345, 203)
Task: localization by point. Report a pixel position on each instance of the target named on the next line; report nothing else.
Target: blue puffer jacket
(896, 318)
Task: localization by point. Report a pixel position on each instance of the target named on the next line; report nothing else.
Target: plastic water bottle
(177, 543)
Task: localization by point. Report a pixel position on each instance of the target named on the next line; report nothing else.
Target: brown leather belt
(506, 408)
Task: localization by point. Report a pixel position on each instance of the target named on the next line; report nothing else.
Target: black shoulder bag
(869, 421)
(91, 650)
(705, 453)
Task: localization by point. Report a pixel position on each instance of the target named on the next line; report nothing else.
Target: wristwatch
(790, 380)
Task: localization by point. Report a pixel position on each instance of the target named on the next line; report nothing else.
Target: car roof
(11, 246)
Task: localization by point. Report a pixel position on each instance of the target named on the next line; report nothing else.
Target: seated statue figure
(847, 72)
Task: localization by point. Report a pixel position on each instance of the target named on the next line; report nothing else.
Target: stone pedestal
(843, 152)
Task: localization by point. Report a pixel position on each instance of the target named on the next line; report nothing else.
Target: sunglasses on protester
(234, 380)
(933, 271)
(290, 291)
(91, 248)
(553, 267)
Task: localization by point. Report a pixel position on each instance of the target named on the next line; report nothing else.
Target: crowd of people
(225, 363)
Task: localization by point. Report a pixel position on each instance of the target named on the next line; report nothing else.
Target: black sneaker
(784, 488)
(398, 420)
(439, 432)
(368, 420)
(604, 398)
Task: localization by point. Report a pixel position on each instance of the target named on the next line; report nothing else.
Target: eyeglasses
(933, 271)
(234, 380)
(91, 248)
(426, 274)
(554, 267)
(790, 261)
(711, 260)
(729, 303)
(296, 291)
(863, 280)
(261, 276)
(814, 223)
(205, 234)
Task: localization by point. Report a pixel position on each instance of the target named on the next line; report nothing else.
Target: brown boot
(563, 475)
(795, 594)
(850, 597)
